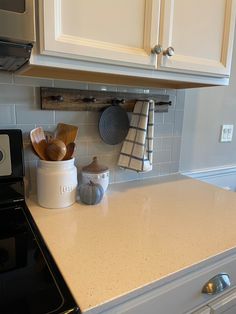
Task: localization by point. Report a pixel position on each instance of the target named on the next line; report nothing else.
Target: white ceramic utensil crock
(96, 173)
(56, 183)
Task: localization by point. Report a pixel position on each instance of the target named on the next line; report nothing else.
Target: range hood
(14, 55)
(17, 33)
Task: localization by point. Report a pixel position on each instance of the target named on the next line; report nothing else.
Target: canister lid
(94, 167)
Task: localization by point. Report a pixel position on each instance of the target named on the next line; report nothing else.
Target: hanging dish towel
(137, 150)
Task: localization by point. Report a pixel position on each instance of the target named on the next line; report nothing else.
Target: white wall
(206, 109)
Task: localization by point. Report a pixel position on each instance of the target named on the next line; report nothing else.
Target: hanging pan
(113, 124)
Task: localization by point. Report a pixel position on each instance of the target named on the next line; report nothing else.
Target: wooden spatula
(66, 132)
(38, 142)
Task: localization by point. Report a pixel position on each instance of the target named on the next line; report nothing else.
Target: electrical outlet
(226, 133)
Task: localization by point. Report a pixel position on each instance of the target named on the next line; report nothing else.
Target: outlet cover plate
(226, 133)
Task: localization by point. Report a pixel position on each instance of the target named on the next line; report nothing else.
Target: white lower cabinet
(183, 294)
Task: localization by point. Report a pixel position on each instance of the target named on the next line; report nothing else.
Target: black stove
(30, 282)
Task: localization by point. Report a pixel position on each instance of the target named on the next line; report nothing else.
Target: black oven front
(30, 281)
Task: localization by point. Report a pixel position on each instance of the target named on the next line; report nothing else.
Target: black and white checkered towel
(137, 149)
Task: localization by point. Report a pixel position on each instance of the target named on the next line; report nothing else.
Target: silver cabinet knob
(217, 284)
(169, 52)
(157, 49)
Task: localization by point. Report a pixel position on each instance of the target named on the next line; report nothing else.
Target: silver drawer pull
(217, 284)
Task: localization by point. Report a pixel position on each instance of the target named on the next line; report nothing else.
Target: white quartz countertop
(141, 232)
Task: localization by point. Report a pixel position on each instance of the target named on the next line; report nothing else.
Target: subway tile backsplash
(20, 108)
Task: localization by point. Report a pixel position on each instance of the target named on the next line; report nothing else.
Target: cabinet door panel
(201, 33)
(104, 21)
(105, 30)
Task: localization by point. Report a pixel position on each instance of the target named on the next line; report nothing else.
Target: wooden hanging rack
(90, 100)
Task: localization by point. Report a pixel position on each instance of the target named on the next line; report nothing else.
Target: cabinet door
(113, 31)
(201, 33)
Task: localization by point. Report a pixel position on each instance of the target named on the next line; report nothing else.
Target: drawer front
(183, 295)
(203, 310)
(225, 304)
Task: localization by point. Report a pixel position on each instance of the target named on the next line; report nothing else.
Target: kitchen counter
(140, 233)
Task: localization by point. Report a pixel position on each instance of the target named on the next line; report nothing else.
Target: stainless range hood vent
(13, 55)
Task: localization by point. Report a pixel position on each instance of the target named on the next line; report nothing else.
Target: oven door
(17, 21)
(13, 252)
(30, 282)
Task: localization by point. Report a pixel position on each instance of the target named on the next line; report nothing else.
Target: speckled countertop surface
(141, 232)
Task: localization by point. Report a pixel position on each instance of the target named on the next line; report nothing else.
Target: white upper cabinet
(110, 31)
(126, 42)
(201, 33)
(123, 32)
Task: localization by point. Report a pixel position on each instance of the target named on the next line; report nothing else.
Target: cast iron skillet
(113, 124)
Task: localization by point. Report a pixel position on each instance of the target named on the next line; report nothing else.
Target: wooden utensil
(56, 150)
(66, 133)
(70, 149)
(38, 142)
(49, 136)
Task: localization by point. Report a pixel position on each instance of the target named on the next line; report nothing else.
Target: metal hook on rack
(58, 98)
(89, 99)
(116, 101)
(162, 106)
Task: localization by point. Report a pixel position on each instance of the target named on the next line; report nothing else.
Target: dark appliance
(30, 281)
(17, 33)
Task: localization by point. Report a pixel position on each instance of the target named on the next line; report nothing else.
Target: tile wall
(20, 108)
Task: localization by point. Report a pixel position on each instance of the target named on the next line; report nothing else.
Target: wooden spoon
(38, 142)
(70, 149)
(66, 133)
(56, 150)
(49, 136)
